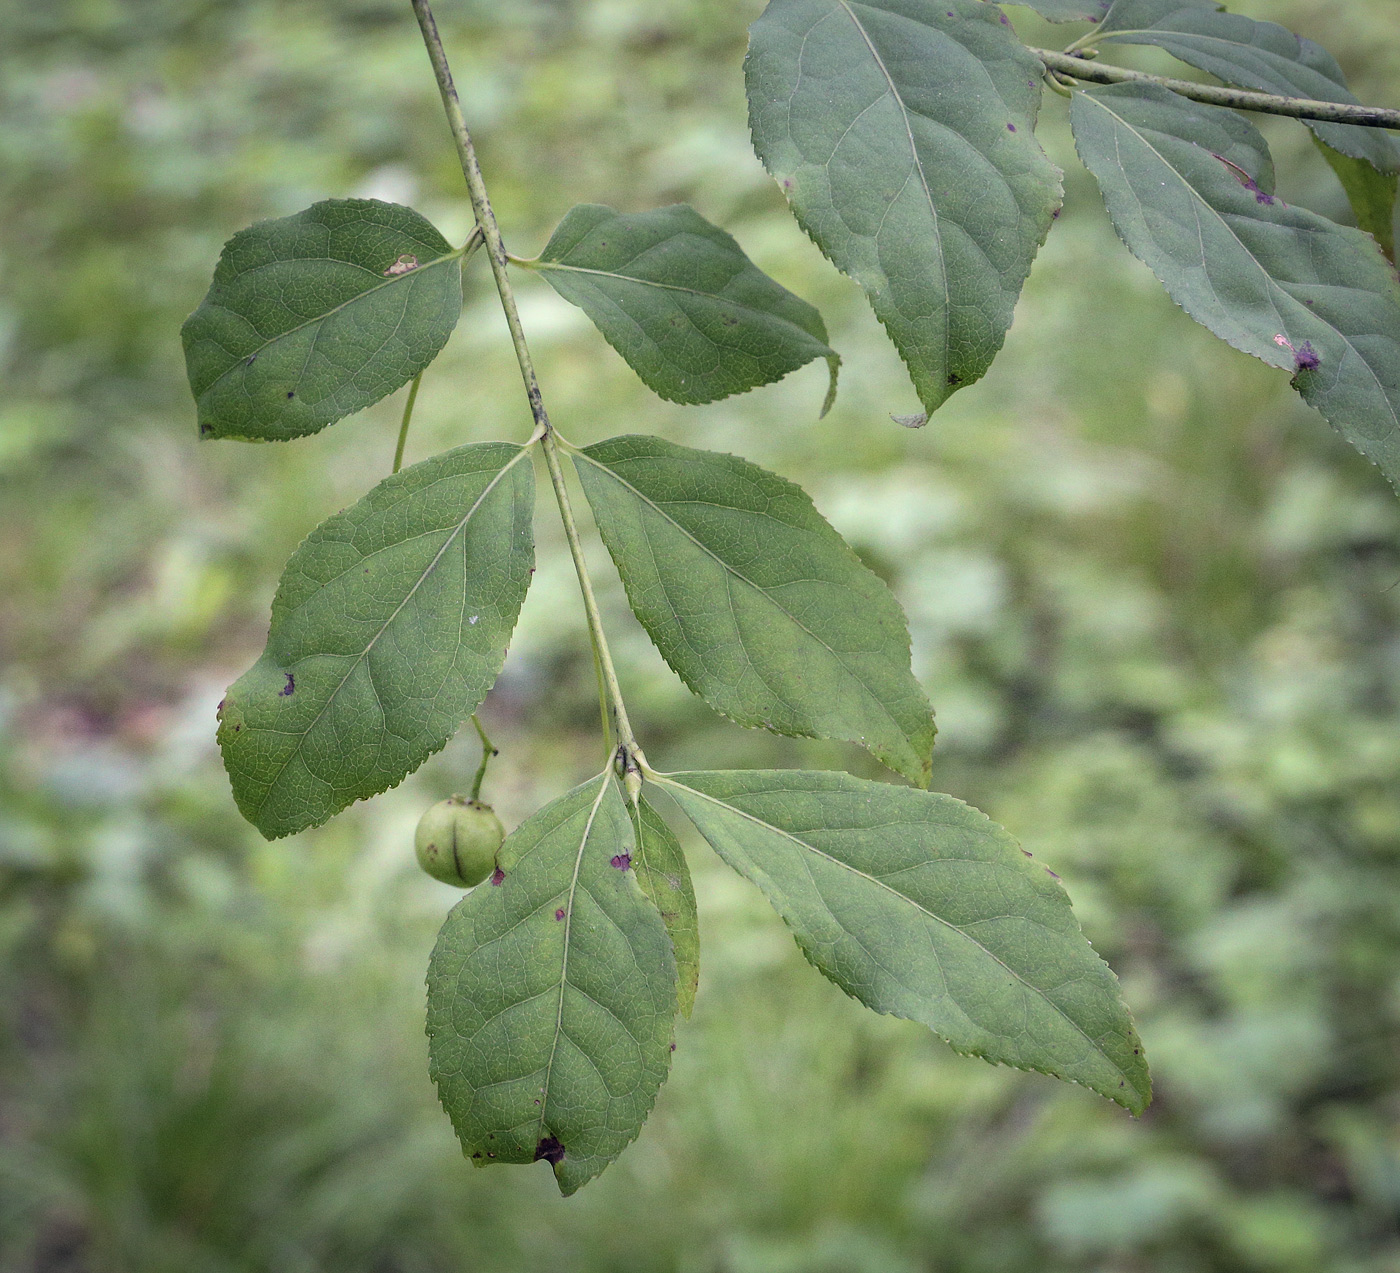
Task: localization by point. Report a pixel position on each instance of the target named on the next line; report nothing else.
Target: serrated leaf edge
(1128, 1082)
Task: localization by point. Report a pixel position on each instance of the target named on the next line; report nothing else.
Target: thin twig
(1216, 95)
(407, 416)
(467, 251)
(487, 751)
(544, 431)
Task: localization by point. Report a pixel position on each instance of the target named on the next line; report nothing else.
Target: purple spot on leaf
(498, 877)
(559, 914)
(622, 861)
(1011, 128)
(1306, 357)
(289, 688)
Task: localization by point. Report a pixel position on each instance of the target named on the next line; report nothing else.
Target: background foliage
(1152, 597)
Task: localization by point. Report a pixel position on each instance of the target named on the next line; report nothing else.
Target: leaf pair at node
(392, 619)
(902, 134)
(315, 316)
(551, 992)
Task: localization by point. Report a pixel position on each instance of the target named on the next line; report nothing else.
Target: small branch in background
(1081, 68)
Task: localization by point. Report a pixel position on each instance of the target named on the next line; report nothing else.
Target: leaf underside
(902, 133)
(661, 868)
(389, 627)
(755, 601)
(1248, 54)
(1278, 282)
(552, 995)
(679, 300)
(920, 906)
(315, 316)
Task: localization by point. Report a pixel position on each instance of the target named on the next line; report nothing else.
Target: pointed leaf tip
(755, 601)
(552, 995)
(389, 627)
(1189, 190)
(880, 120)
(679, 300)
(922, 907)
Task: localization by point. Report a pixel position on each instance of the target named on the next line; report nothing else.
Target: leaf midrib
(811, 848)
(1199, 200)
(762, 592)
(718, 297)
(318, 318)
(604, 781)
(918, 164)
(360, 658)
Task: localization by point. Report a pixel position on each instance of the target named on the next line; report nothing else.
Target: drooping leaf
(920, 906)
(1068, 10)
(315, 316)
(902, 133)
(1370, 193)
(660, 864)
(1278, 282)
(679, 300)
(552, 995)
(755, 601)
(1247, 54)
(389, 627)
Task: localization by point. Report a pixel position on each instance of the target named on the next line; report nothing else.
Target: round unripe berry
(457, 839)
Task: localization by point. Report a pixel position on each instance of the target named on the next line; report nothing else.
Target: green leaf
(1370, 193)
(661, 868)
(920, 906)
(679, 300)
(903, 134)
(1067, 10)
(388, 629)
(755, 601)
(552, 995)
(1247, 54)
(1278, 282)
(315, 316)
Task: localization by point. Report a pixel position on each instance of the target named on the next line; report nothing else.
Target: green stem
(1215, 95)
(544, 432)
(466, 252)
(407, 416)
(487, 751)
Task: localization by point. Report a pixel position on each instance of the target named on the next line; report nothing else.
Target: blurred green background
(1152, 596)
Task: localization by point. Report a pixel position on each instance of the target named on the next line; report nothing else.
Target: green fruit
(457, 839)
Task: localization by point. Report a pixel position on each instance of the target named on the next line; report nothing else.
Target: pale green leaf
(314, 316)
(388, 629)
(1276, 281)
(755, 601)
(1247, 54)
(903, 134)
(661, 868)
(1370, 193)
(679, 300)
(552, 995)
(920, 906)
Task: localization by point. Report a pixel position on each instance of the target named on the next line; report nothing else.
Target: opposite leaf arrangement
(902, 133)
